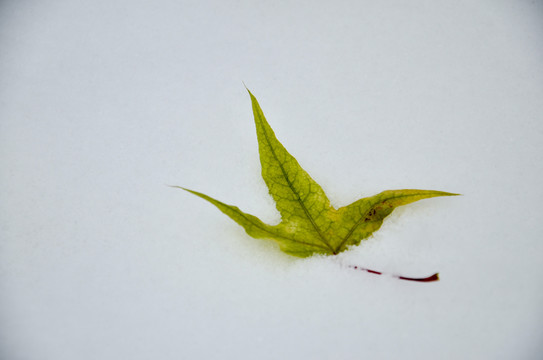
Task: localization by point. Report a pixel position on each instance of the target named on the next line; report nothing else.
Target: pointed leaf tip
(249, 91)
(179, 187)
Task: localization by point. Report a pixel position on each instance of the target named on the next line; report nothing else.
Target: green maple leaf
(309, 224)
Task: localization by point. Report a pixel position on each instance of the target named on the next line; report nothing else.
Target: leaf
(309, 224)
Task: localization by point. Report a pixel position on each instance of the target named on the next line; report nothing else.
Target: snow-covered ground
(104, 103)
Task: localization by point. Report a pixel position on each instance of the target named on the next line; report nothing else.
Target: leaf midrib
(249, 220)
(361, 220)
(298, 198)
(280, 236)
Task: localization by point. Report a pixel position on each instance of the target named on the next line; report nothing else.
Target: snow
(104, 103)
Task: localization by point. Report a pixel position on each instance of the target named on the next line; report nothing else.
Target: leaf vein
(299, 200)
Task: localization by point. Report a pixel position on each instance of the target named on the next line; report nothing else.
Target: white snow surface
(105, 102)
